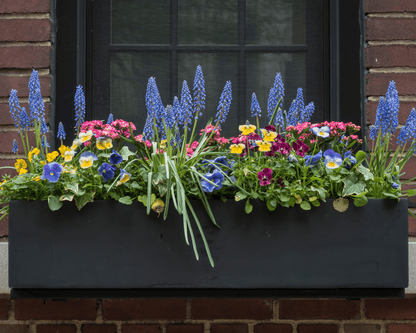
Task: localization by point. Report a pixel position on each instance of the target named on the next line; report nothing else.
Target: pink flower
(265, 176)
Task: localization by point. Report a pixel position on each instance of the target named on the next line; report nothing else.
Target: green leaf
(114, 195)
(410, 193)
(316, 203)
(125, 200)
(305, 205)
(284, 197)
(66, 197)
(136, 185)
(19, 180)
(366, 172)
(81, 200)
(163, 188)
(248, 207)
(54, 203)
(271, 204)
(320, 190)
(341, 204)
(334, 178)
(390, 195)
(125, 153)
(353, 185)
(360, 201)
(360, 156)
(223, 199)
(158, 178)
(105, 155)
(240, 196)
(143, 199)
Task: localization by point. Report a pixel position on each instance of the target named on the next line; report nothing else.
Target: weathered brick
(405, 108)
(391, 308)
(7, 83)
(4, 303)
(25, 57)
(99, 329)
(317, 309)
(11, 172)
(232, 309)
(412, 200)
(6, 139)
(229, 328)
(24, 6)
(362, 328)
(6, 119)
(401, 328)
(380, 6)
(141, 329)
(304, 328)
(412, 225)
(55, 310)
(56, 329)
(4, 226)
(272, 328)
(391, 56)
(131, 309)
(409, 169)
(25, 30)
(13, 328)
(378, 83)
(184, 329)
(391, 28)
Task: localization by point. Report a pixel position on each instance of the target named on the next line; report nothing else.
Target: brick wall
(25, 44)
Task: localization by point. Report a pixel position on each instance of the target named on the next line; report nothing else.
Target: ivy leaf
(305, 205)
(163, 188)
(360, 201)
(366, 172)
(66, 197)
(271, 204)
(248, 207)
(158, 178)
(125, 200)
(73, 187)
(54, 203)
(353, 185)
(114, 195)
(240, 196)
(284, 197)
(341, 204)
(125, 153)
(143, 199)
(135, 185)
(321, 192)
(81, 200)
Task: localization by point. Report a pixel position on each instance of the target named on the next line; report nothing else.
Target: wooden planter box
(112, 250)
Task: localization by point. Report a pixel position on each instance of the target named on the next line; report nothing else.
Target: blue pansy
(218, 160)
(106, 171)
(321, 131)
(349, 159)
(216, 177)
(115, 158)
(395, 185)
(333, 160)
(312, 160)
(52, 172)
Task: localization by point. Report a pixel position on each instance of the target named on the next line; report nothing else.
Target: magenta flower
(265, 176)
(270, 128)
(284, 149)
(301, 148)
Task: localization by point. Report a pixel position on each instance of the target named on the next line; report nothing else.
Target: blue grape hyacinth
(225, 103)
(255, 106)
(110, 118)
(408, 131)
(79, 102)
(296, 109)
(24, 121)
(199, 92)
(14, 107)
(36, 105)
(276, 92)
(186, 105)
(15, 148)
(61, 132)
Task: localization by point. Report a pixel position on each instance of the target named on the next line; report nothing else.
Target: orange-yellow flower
(263, 145)
(62, 149)
(34, 151)
(247, 129)
(268, 135)
(51, 156)
(20, 164)
(237, 149)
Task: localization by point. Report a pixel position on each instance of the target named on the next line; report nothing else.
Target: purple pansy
(265, 176)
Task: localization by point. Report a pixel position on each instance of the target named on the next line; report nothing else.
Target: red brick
(25, 30)
(184, 329)
(11, 172)
(7, 83)
(412, 225)
(6, 119)
(13, 328)
(362, 328)
(401, 328)
(232, 309)
(272, 328)
(391, 308)
(229, 328)
(56, 329)
(412, 200)
(317, 309)
(99, 329)
(391, 56)
(391, 29)
(55, 310)
(141, 329)
(4, 306)
(6, 139)
(405, 108)
(409, 169)
(378, 83)
(4, 226)
(380, 6)
(317, 329)
(24, 6)
(131, 309)
(25, 57)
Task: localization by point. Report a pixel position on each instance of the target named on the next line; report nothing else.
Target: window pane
(283, 23)
(129, 75)
(208, 21)
(218, 68)
(140, 22)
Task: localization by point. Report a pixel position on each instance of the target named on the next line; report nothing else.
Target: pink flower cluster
(114, 130)
(139, 138)
(216, 136)
(190, 149)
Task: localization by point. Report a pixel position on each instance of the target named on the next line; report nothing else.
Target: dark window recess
(244, 41)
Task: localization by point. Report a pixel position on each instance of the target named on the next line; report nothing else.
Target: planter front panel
(110, 245)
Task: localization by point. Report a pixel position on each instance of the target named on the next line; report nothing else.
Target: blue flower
(106, 171)
(313, 160)
(225, 103)
(52, 172)
(36, 105)
(199, 92)
(155, 109)
(124, 177)
(115, 158)
(409, 130)
(279, 121)
(14, 106)
(15, 146)
(321, 131)
(255, 106)
(110, 118)
(216, 177)
(186, 106)
(87, 159)
(395, 185)
(61, 132)
(296, 109)
(218, 160)
(43, 127)
(79, 102)
(24, 121)
(349, 159)
(333, 160)
(45, 143)
(276, 92)
(307, 112)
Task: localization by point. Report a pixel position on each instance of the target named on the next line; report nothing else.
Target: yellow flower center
(51, 173)
(332, 164)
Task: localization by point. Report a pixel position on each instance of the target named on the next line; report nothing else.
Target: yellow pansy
(163, 144)
(62, 149)
(87, 159)
(69, 155)
(237, 149)
(124, 177)
(263, 145)
(268, 135)
(20, 164)
(34, 151)
(51, 156)
(247, 129)
(75, 144)
(36, 179)
(22, 171)
(104, 143)
(84, 137)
